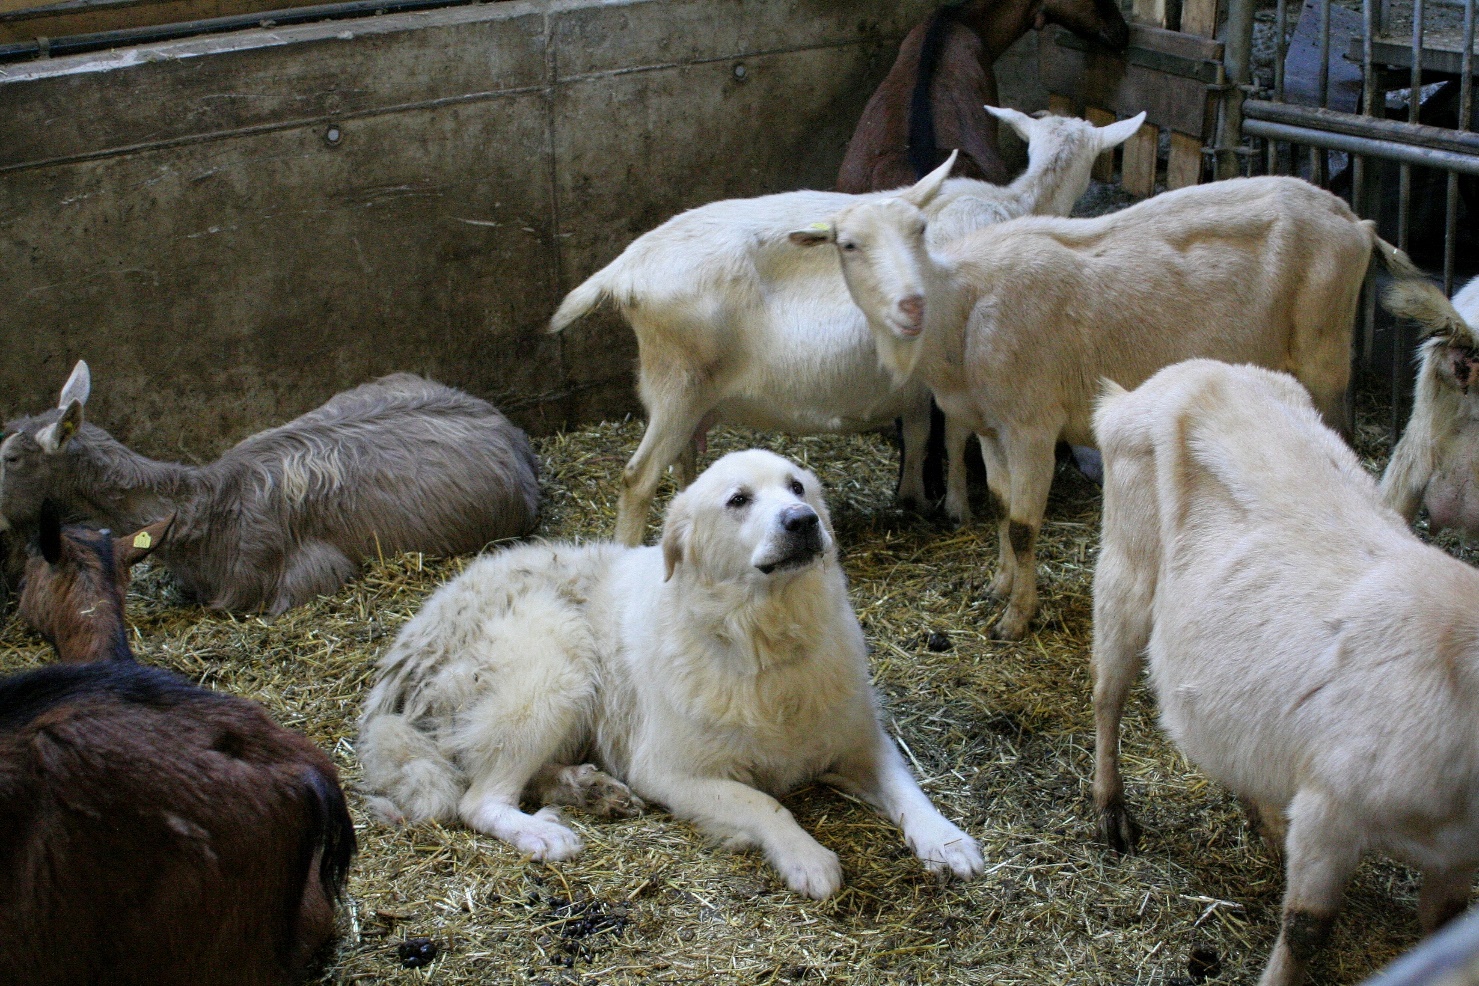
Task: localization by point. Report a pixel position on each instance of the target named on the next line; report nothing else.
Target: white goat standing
(1306, 649)
(1020, 322)
(1436, 464)
(735, 324)
(398, 464)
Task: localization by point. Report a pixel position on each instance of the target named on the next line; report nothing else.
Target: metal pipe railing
(1448, 958)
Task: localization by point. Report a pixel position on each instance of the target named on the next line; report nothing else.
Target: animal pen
(233, 226)
(1372, 99)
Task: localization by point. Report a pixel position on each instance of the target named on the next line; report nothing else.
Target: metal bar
(1390, 150)
(1466, 81)
(1465, 112)
(1355, 125)
(1236, 57)
(1281, 45)
(1321, 171)
(1450, 957)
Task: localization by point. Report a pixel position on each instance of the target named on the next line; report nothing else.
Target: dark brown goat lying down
(153, 832)
(75, 582)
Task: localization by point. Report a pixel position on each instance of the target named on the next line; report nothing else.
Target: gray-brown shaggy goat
(398, 464)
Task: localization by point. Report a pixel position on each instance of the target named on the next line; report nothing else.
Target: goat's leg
(673, 418)
(999, 485)
(914, 435)
(1124, 590)
(1030, 465)
(1321, 853)
(957, 488)
(312, 569)
(877, 774)
(1444, 896)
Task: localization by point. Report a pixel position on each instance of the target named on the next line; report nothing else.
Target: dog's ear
(675, 536)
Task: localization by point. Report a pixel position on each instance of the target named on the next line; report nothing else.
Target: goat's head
(75, 583)
(33, 465)
(1437, 462)
(1061, 150)
(884, 258)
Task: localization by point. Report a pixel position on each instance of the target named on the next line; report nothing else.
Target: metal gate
(1363, 91)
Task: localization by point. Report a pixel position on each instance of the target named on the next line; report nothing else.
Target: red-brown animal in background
(153, 832)
(74, 586)
(932, 100)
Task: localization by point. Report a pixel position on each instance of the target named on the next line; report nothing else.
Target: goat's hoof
(1118, 829)
(1011, 626)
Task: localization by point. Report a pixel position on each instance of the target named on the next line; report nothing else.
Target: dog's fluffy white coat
(707, 674)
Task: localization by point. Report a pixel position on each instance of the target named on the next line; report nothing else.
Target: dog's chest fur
(764, 689)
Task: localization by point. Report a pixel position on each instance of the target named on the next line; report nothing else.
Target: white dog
(708, 674)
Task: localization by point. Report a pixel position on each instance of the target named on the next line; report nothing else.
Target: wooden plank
(25, 21)
(1061, 106)
(1101, 79)
(1199, 17)
(1137, 167)
(1104, 163)
(1184, 166)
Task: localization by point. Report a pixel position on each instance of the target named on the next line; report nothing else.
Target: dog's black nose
(798, 518)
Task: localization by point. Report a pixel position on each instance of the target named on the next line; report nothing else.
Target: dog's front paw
(542, 836)
(811, 870)
(949, 853)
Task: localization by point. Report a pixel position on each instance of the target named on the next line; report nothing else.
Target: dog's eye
(849, 245)
(797, 488)
(739, 500)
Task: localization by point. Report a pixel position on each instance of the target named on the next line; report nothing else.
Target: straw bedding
(1001, 735)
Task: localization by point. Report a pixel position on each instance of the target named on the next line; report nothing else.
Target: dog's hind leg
(878, 775)
(585, 787)
(531, 719)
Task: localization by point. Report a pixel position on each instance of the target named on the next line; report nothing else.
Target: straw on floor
(1000, 734)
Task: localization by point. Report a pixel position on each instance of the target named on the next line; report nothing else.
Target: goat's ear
(49, 536)
(1115, 134)
(1018, 121)
(814, 235)
(924, 190)
(675, 532)
(55, 435)
(78, 385)
(129, 551)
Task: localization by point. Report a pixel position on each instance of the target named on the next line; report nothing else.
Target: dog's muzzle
(799, 541)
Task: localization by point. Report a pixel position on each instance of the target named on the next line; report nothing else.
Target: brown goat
(75, 583)
(153, 832)
(934, 97)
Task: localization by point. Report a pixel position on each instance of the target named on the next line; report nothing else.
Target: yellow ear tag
(821, 227)
(143, 540)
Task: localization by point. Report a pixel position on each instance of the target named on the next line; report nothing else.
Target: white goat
(734, 324)
(1436, 464)
(1306, 649)
(1022, 321)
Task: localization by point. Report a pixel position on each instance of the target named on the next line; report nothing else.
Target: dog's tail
(415, 779)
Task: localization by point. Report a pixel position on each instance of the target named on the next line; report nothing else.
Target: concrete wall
(231, 229)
